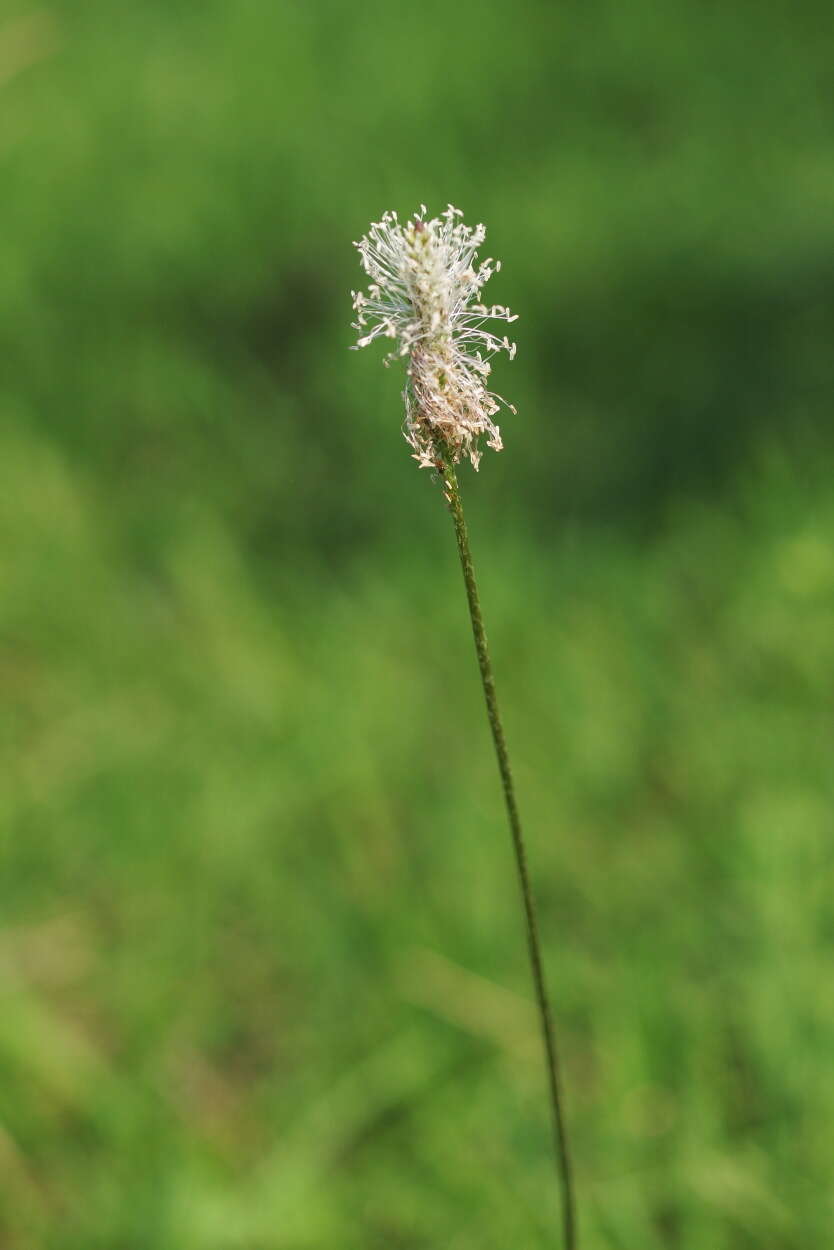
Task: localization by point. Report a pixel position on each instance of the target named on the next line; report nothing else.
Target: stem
(560, 1137)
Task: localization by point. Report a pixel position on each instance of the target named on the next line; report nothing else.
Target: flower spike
(425, 282)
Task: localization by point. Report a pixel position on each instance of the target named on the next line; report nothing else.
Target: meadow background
(263, 974)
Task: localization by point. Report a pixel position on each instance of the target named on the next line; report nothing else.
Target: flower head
(425, 282)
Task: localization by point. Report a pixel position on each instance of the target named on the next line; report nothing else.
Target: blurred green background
(263, 973)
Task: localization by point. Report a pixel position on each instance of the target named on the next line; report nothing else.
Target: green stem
(560, 1137)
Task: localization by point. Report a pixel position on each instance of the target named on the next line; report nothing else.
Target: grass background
(262, 966)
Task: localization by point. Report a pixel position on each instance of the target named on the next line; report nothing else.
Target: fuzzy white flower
(425, 280)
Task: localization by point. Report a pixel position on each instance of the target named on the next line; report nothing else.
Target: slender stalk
(560, 1137)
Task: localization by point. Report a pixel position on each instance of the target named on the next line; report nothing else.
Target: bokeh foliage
(262, 963)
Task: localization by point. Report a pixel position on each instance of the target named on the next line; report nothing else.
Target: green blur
(262, 963)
